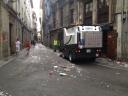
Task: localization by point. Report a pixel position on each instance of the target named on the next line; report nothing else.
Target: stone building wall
(5, 32)
(11, 28)
(0, 31)
(121, 27)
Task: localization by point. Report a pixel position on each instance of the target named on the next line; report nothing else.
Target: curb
(112, 64)
(6, 60)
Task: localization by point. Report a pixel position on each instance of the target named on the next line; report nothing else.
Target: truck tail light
(77, 50)
(98, 50)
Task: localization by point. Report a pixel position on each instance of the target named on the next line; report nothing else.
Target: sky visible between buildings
(36, 5)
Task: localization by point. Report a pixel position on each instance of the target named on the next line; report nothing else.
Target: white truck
(82, 42)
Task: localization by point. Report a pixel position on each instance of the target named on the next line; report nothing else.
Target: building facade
(47, 20)
(41, 20)
(15, 23)
(24, 11)
(58, 14)
(4, 31)
(121, 17)
(111, 15)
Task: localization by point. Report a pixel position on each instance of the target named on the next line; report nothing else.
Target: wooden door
(112, 45)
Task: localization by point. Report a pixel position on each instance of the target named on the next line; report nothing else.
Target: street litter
(108, 86)
(6, 93)
(110, 60)
(44, 85)
(63, 74)
(73, 76)
(126, 65)
(1, 94)
(78, 70)
(72, 66)
(118, 62)
(58, 54)
(67, 69)
(63, 66)
(51, 73)
(117, 73)
(55, 67)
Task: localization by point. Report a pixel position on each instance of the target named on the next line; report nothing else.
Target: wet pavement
(44, 73)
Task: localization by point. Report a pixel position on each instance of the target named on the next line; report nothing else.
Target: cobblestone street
(44, 73)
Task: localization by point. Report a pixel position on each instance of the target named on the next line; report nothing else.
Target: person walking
(28, 46)
(56, 45)
(17, 43)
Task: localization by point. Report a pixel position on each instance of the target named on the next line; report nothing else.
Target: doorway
(10, 38)
(112, 45)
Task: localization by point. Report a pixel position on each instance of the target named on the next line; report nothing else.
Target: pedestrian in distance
(28, 46)
(33, 42)
(17, 43)
(56, 45)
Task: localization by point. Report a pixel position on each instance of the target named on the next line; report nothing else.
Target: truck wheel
(71, 58)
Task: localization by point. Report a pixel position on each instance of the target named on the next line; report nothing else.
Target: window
(89, 7)
(71, 2)
(86, 8)
(107, 2)
(103, 11)
(103, 3)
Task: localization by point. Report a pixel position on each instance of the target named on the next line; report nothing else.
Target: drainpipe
(78, 12)
(122, 29)
(110, 11)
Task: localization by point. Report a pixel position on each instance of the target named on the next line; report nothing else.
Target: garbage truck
(82, 42)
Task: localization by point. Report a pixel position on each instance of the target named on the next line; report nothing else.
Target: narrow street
(44, 73)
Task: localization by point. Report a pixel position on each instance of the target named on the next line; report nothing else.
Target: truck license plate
(88, 50)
